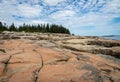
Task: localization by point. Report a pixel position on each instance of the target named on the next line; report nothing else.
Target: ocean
(114, 37)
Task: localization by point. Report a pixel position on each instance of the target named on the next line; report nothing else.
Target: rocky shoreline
(49, 57)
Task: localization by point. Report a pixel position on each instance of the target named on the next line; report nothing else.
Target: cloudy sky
(82, 17)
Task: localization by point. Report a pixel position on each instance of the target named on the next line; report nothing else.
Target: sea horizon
(113, 37)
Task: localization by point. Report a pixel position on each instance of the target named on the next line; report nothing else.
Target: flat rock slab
(26, 61)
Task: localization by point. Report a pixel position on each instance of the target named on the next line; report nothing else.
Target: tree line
(43, 28)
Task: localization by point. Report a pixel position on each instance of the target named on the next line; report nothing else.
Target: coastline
(113, 38)
(43, 55)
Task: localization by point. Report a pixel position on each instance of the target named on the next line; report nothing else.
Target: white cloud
(112, 7)
(39, 22)
(99, 21)
(69, 15)
(62, 14)
(28, 11)
(52, 2)
(90, 19)
(6, 11)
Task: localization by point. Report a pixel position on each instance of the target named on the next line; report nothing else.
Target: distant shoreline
(113, 37)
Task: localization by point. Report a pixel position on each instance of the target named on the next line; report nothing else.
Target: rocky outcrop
(99, 46)
(57, 59)
(105, 43)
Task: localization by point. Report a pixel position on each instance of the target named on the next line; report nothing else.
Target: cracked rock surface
(63, 59)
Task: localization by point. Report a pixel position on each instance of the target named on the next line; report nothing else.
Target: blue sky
(82, 17)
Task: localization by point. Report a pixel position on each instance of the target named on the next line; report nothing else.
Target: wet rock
(92, 74)
(105, 43)
(82, 57)
(2, 50)
(6, 36)
(71, 80)
(89, 67)
(71, 48)
(15, 37)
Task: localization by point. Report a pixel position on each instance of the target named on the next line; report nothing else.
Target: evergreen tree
(20, 28)
(1, 24)
(12, 27)
(45, 28)
(3, 27)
